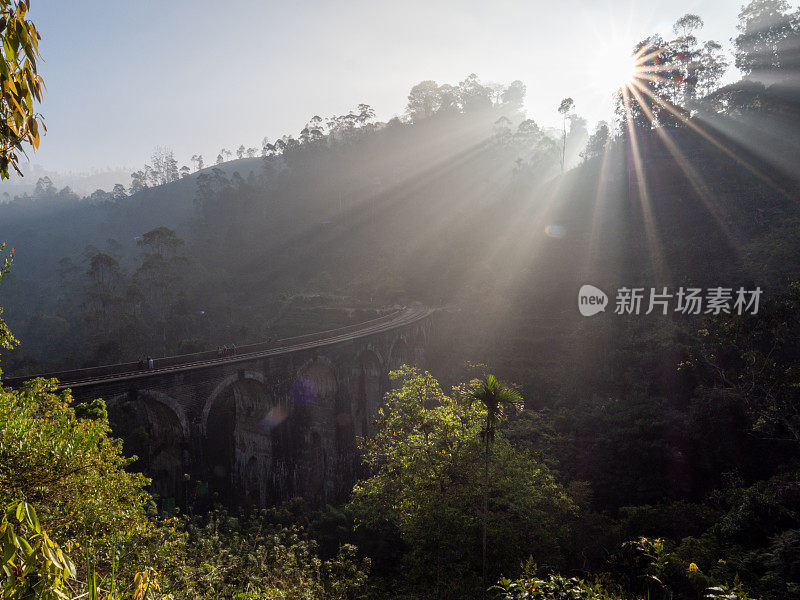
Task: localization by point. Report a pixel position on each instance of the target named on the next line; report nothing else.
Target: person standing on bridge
(150, 364)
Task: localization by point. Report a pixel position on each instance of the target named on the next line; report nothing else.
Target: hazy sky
(124, 76)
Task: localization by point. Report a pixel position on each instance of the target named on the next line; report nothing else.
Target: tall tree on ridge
(764, 27)
(564, 109)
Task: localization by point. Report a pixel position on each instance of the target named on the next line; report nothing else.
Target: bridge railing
(74, 375)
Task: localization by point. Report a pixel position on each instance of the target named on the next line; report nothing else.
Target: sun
(611, 66)
(617, 68)
(622, 71)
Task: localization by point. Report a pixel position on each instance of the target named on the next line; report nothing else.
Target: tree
(425, 481)
(160, 275)
(240, 151)
(448, 99)
(170, 167)
(527, 134)
(164, 169)
(197, 159)
(754, 358)
(472, 96)
(496, 399)
(58, 456)
(365, 114)
(514, 94)
(714, 64)
(104, 276)
(104, 272)
(138, 182)
(87, 490)
(21, 85)
(44, 187)
(598, 142)
(118, 192)
(764, 27)
(697, 67)
(99, 196)
(687, 58)
(686, 26)
(161, 241)
(564, 109)
(501, 131)
(424, 100)
(649, 103)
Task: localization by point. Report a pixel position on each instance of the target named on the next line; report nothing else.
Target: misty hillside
(599, 322)
(465, 210)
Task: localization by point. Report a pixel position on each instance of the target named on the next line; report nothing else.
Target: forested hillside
(627, 455)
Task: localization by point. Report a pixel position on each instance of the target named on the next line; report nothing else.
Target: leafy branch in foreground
(7, 340)
(20, 85)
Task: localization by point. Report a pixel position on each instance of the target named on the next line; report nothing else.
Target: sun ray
(646, 72)
(693, 177)
(656, 254)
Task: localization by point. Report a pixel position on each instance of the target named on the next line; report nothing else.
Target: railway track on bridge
(190, 362)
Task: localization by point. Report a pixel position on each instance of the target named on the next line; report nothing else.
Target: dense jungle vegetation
(623, 456)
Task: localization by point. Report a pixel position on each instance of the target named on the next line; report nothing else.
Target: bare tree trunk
(485, 503)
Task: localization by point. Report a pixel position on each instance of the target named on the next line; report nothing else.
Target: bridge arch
(154, 427)
(174, 410)
(223, 387)
(237, 434)
(317, 376)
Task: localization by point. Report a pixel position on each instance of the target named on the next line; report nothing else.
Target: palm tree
(496, 397)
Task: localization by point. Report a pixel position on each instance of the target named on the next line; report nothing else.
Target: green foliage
(67, 466)
(20, 85)
(555, 587)
(650, 563)
(756, 359)
(655, 567)
(426, 481)
(497, 399)
(7, 339)
(33, 565)
(253, 556)
(161, 240)
(624, 446)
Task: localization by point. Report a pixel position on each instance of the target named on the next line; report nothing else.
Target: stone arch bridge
(277, 420)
